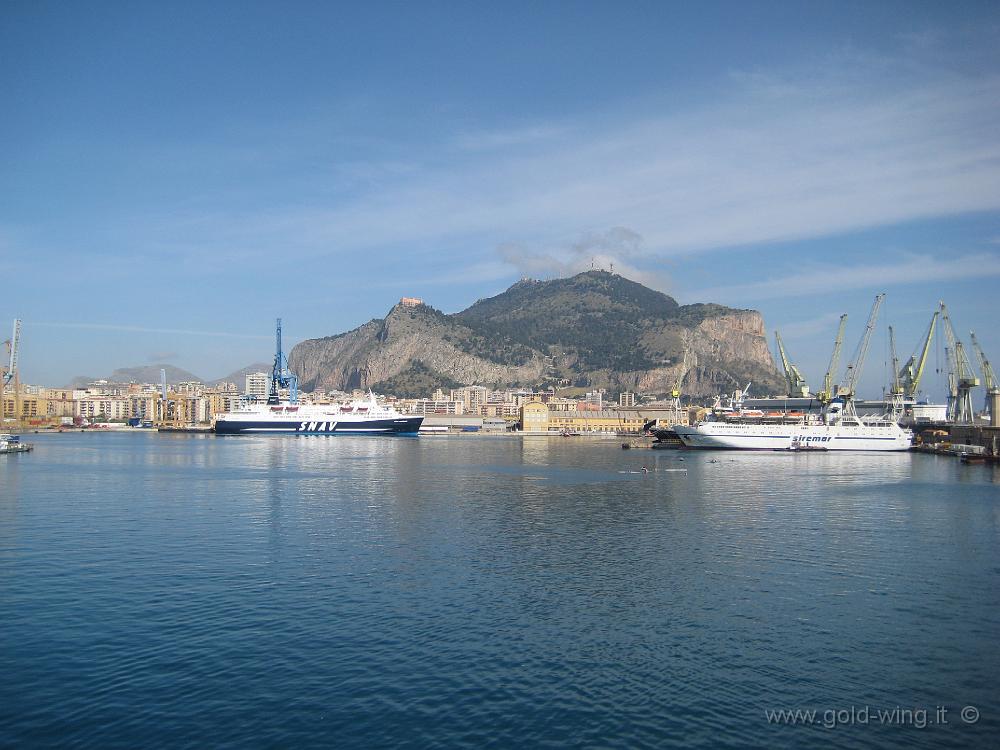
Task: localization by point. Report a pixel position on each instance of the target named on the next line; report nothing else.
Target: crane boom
(14, 344)
(913, 370)
(831, 371)
(989, 378)
(962, 379)
(797, 386)
(897, 385)
(855, 368)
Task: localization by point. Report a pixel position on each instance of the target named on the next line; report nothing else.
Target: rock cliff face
(382, 349)
(595, 329)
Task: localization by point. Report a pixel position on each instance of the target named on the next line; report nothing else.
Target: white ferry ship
(366, 416)
(360, 416)
(834, 430)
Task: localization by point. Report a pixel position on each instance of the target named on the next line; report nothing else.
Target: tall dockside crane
(961, 378)
(797, 387)
(10, 374)
(911, 373)
(281, 376)
(989, 378)
(857, 364)
(675, 392)
(826, 395)
(896, 389)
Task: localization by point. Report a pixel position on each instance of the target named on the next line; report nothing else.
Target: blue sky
(173, 176)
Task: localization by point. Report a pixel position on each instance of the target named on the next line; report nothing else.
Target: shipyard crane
(10, 373)
(961, 377)
(675, 392)
(911, 373)
(896, 389)
(857, 364)
(797, 387)
(989, 378)
(826, 395)
(281, 376)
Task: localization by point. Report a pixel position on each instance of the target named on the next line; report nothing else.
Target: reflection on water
(473, 590)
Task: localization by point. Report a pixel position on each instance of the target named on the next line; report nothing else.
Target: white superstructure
(834, 431)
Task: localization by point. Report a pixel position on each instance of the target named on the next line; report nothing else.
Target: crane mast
(281, 376)
(10, 374)
(896, 390)
(826, 395)
(911, 373)
(675, 392)
(989, 377)
(797, 387)
(856, 366)
(961, 378)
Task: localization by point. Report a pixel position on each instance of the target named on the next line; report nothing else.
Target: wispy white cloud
(809, 328)
(826, 279)
(777, 161)
(613, 250)
(143, 329)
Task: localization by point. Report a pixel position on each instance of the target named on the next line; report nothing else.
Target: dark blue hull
(397, 426)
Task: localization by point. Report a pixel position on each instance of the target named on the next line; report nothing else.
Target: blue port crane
(281, 376)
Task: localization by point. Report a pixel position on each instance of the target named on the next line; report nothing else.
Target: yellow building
(535, 417)
(606, 420)
(32, 407)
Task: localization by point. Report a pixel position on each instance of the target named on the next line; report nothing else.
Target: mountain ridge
(595, 329)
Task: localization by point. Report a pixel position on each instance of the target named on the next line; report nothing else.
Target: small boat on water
(12, 444)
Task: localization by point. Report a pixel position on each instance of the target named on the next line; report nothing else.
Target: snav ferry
(836, 429)
(365, 416)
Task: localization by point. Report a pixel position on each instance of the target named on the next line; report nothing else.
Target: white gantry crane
(989, 378)
(961, 377)
(857, 364)
(10, 374)
(797, 387)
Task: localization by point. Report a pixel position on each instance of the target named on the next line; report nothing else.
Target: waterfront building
(432, 406)
(535, 417)
(471, 396)
(257, 384)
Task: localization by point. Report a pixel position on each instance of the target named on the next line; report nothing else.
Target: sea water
(471, 591)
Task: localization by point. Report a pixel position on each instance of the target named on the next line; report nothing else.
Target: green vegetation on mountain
(597, 318)
(416, 381)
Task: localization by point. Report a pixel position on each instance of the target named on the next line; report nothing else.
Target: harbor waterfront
(305, 591)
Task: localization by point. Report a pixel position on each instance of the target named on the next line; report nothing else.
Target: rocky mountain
(596, 329)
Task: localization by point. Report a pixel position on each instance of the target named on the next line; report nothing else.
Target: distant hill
(239, 376)
(595, 329)
(141, 374)
(151, 374)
